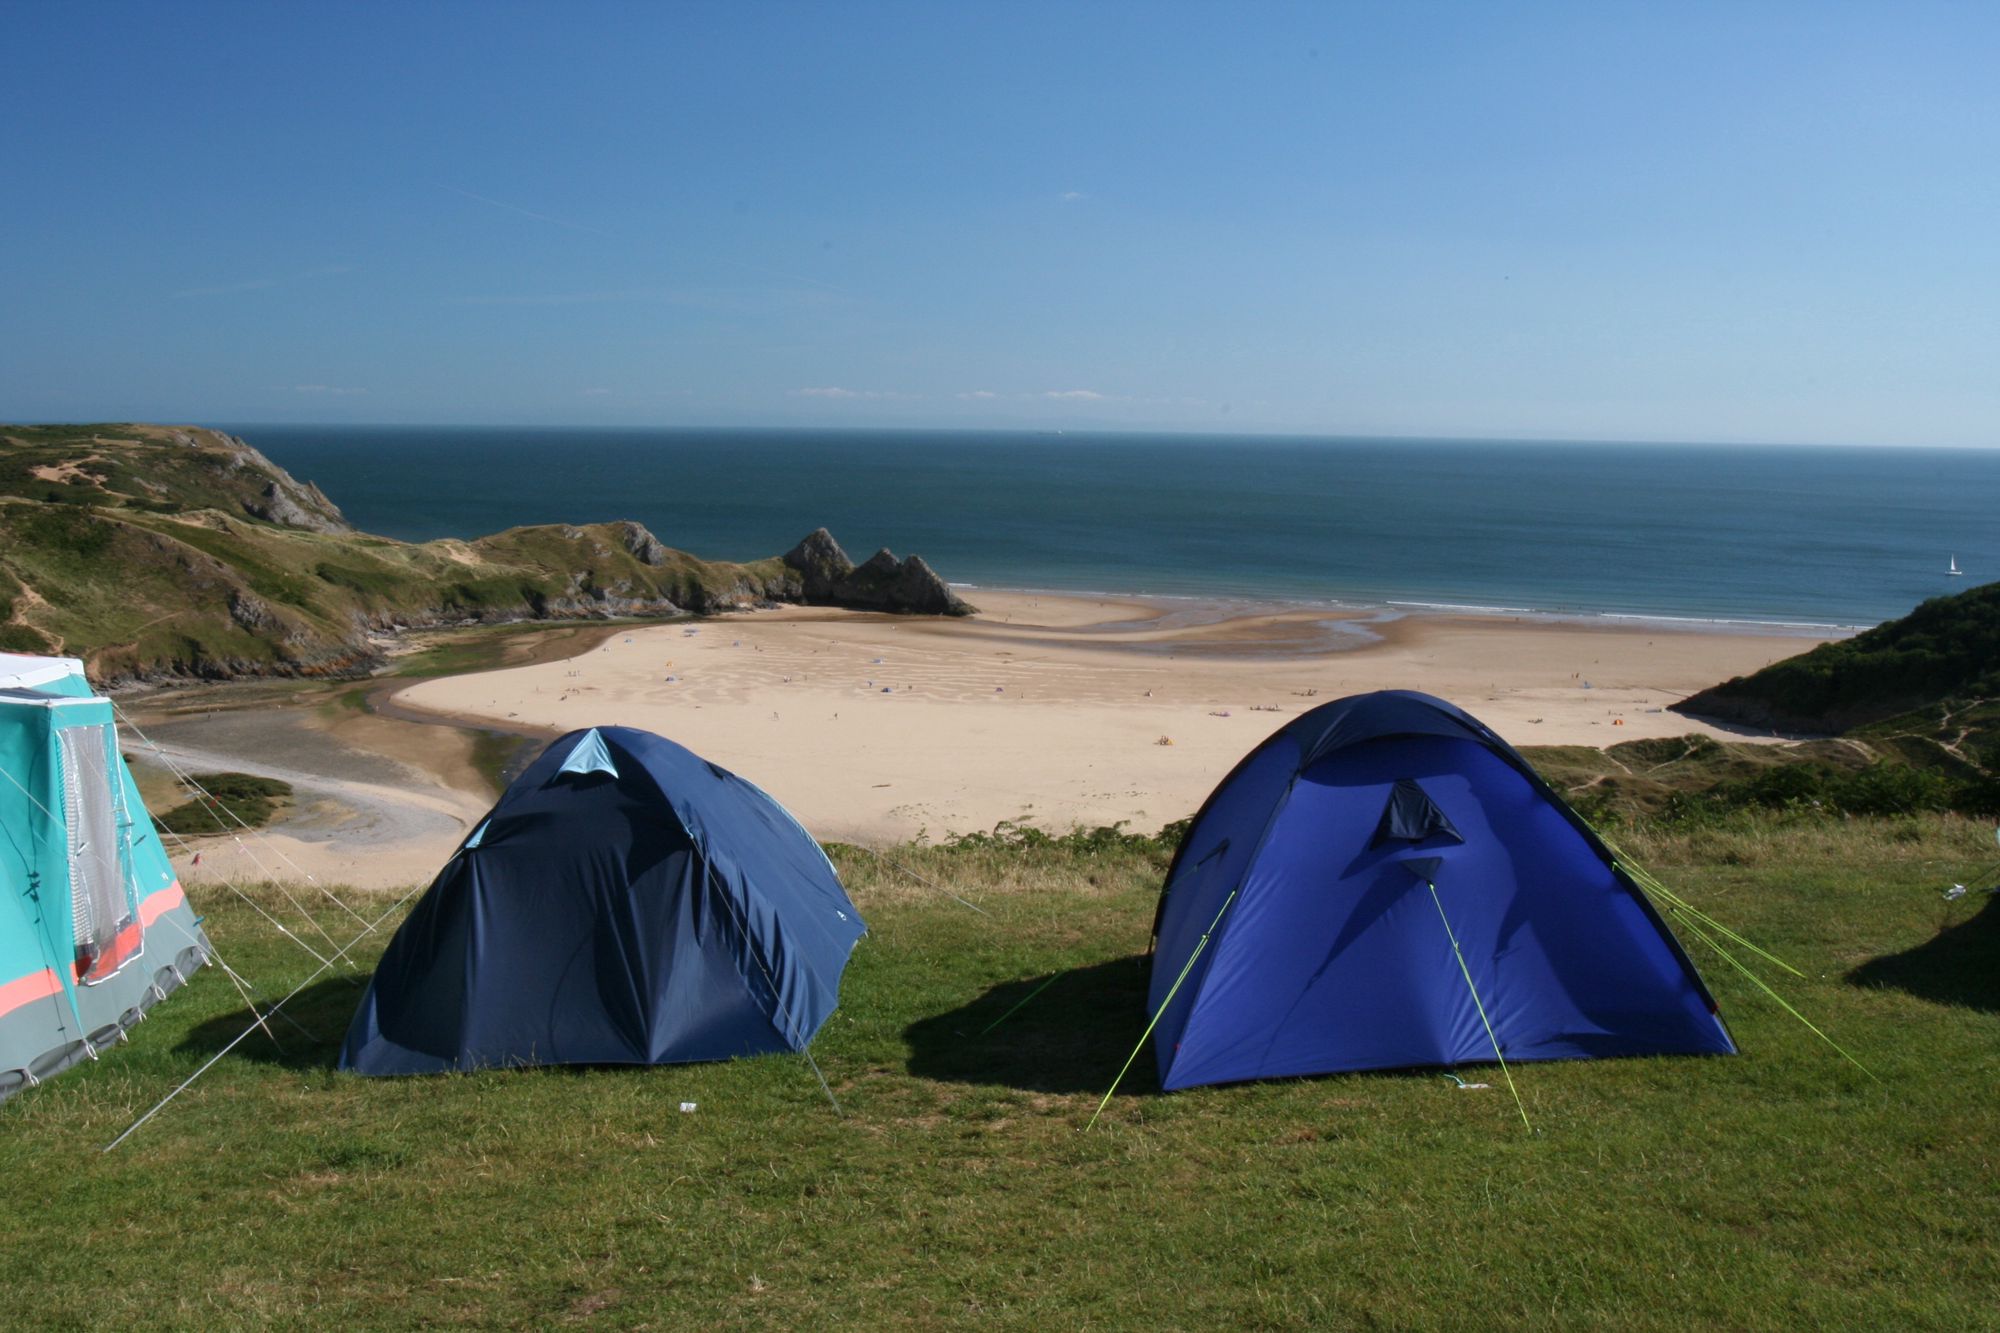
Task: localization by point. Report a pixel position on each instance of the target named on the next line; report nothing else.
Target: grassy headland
(162, 552)
(1914, 703)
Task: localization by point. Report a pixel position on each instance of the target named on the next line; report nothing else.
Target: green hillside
(1948, 649)
(155, 551)
(1918, 699)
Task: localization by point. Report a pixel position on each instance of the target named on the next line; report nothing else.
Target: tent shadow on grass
(1072, 1037)
(323, 1010)
(1958, 965)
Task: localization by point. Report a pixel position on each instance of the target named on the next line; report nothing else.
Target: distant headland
(178, 552)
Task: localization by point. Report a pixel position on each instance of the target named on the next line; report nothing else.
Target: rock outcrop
(643, 545)
(304, 508)
(881, 583)
(285, 499)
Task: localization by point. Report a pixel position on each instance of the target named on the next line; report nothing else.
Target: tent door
(102, 914)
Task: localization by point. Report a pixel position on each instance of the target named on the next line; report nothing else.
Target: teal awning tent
(94, 928)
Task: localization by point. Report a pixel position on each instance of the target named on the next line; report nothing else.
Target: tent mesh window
(100, 906)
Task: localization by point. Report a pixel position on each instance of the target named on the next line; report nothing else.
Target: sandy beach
(1065, 710)
(1052, 709)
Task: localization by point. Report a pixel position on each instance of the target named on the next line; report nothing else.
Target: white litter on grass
(1954, 893)
(687, 1108)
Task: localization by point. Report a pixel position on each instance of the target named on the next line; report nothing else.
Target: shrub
(1009, 835)
(252, 800)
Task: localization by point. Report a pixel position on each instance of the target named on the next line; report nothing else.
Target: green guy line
(1467, 973)
(1762, 985)
(1021, 1004)
(1185, 969)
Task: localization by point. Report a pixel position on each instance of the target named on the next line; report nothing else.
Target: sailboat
(1954, 567)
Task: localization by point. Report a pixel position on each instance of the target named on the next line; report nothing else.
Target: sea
(1817, 537)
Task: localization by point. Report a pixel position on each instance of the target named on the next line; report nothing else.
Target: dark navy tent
(626, 902)
(1340, 871)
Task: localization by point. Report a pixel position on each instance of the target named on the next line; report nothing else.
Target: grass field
(1777, 1188)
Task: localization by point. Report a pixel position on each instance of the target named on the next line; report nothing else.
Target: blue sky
(1679, 221)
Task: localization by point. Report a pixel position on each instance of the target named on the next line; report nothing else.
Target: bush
(1893, 789)
(1885, 787)
(1010, 836)
(252, 800)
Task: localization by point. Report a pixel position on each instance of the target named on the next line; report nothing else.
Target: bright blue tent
(1310, 872)
(626, 902)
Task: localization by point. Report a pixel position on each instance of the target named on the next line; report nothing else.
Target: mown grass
(1778, 1188)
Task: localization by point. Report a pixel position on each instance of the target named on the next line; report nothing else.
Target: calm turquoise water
(1819, 535)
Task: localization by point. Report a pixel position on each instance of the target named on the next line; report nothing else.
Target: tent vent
(588, 755)
(1411, 816)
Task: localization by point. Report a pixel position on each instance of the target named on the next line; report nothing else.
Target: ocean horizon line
(1103, 431)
